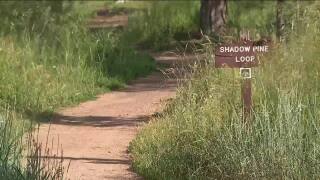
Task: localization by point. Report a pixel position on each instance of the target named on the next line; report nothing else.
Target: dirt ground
(95, 135)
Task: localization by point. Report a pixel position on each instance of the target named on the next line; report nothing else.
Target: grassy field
(50, 60)
(201, 134)
(65, 65)
(21, 153)
(154, 29)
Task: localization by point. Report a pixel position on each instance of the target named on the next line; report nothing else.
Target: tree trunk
(280, 20)
(205, 17)
(56, 9)
(213, 14)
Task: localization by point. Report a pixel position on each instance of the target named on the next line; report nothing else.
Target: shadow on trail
(154, 82)
(90, 160)
(98, 121)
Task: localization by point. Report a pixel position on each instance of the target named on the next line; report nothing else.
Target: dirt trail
(95, 135)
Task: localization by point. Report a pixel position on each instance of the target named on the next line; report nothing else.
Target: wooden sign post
(243, 55)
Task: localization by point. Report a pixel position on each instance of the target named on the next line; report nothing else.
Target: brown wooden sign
(239, 55)
(243, 55)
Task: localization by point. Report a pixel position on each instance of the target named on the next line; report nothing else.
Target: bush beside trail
(201, 134)
(49, 59)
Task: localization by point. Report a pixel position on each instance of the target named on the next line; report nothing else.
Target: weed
(201, 135)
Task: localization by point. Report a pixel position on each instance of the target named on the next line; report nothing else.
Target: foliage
(161, 22)
(202, 134)
(41, 72)
(255, 16)
(13, 164)
(36, 16)
(49, 59)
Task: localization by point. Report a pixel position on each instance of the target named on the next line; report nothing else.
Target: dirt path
(95, 135)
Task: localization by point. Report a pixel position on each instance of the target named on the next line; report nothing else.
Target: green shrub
(202, 134)
(256, 16)
(164, 21)
(41, 73)
(22, 157)
(49, 61)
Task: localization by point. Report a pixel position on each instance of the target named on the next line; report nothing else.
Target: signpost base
(247, 99)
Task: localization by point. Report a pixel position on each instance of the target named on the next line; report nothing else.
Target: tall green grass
(201, 135)
(256, 16)
(50, 60)
(40, 73)
(22, 156)
(160, 23)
